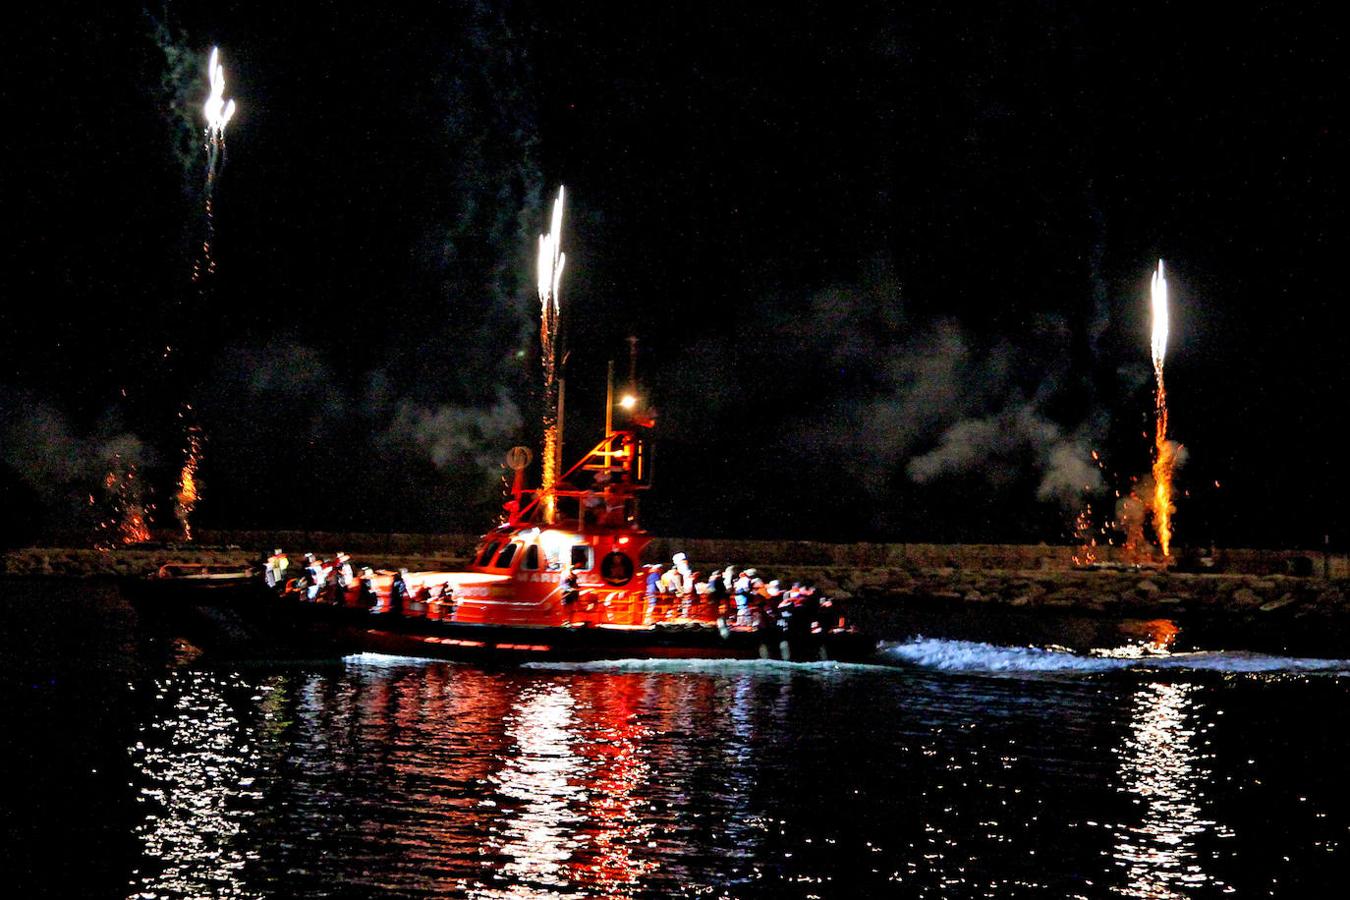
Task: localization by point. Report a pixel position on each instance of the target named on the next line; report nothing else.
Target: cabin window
(504, 558)
(531, 560)
(485, 555)
(582, 557)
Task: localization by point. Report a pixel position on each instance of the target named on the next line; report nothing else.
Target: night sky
(887, 263)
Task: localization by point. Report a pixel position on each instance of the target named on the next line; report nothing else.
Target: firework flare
(551, 260)
(218, 112)
(185, 500)
(1164, 451)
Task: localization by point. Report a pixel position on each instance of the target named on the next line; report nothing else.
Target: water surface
(958, 768)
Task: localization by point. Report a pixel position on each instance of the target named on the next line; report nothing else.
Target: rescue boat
(559, 579)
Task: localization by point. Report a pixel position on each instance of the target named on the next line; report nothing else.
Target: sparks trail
(1164, 451)
(218, 114)
(185, 500)
(1150, 496)
(551, 260)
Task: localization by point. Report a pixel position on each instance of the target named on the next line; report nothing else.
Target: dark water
(962, 768)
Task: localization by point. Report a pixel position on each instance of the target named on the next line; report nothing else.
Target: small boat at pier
(177, 582)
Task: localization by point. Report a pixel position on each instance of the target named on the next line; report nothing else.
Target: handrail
(601, 449)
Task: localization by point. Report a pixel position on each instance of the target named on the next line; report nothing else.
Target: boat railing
(622, 470)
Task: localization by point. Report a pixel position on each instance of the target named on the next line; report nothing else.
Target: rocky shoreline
(1005, 577)
(136, 562)
(1237, 599)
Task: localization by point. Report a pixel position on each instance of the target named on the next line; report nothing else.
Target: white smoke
(290, 374)
(923, 398)
(452, 434)
(41, 446)
(936, 383)
(1069, 473)
(924, 382)
(995, 443)
(65, 465)
(296, 382)
(50, 454)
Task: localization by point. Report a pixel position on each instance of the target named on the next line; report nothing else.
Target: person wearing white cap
(342, 577)
(682, 580)
(742, 592)
(681, 563)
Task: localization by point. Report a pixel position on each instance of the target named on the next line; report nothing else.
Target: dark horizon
(888, 267)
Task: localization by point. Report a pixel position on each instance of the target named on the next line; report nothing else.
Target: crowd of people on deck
(336, 582)
(738, 597)
(732, 596)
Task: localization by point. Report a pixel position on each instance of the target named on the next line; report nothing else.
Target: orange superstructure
(595, 533)
(516, 577)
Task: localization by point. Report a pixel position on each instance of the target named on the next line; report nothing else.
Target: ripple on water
(745, 779)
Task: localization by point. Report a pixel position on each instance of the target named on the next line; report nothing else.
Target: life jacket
(671, 581)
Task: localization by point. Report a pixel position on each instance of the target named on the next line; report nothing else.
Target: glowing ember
(551, 260)
(186, 499)
(127, 515)
(1130, 514)
(1085, 530)
(1086, 538)
(1164, 456)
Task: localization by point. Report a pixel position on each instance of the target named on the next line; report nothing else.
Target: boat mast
(552, 506)
(609, 400)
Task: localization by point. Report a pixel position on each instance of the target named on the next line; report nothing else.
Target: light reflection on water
(424, 779)
(1161, 766)
(539, 785)
(615, 811)
(198, 764)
